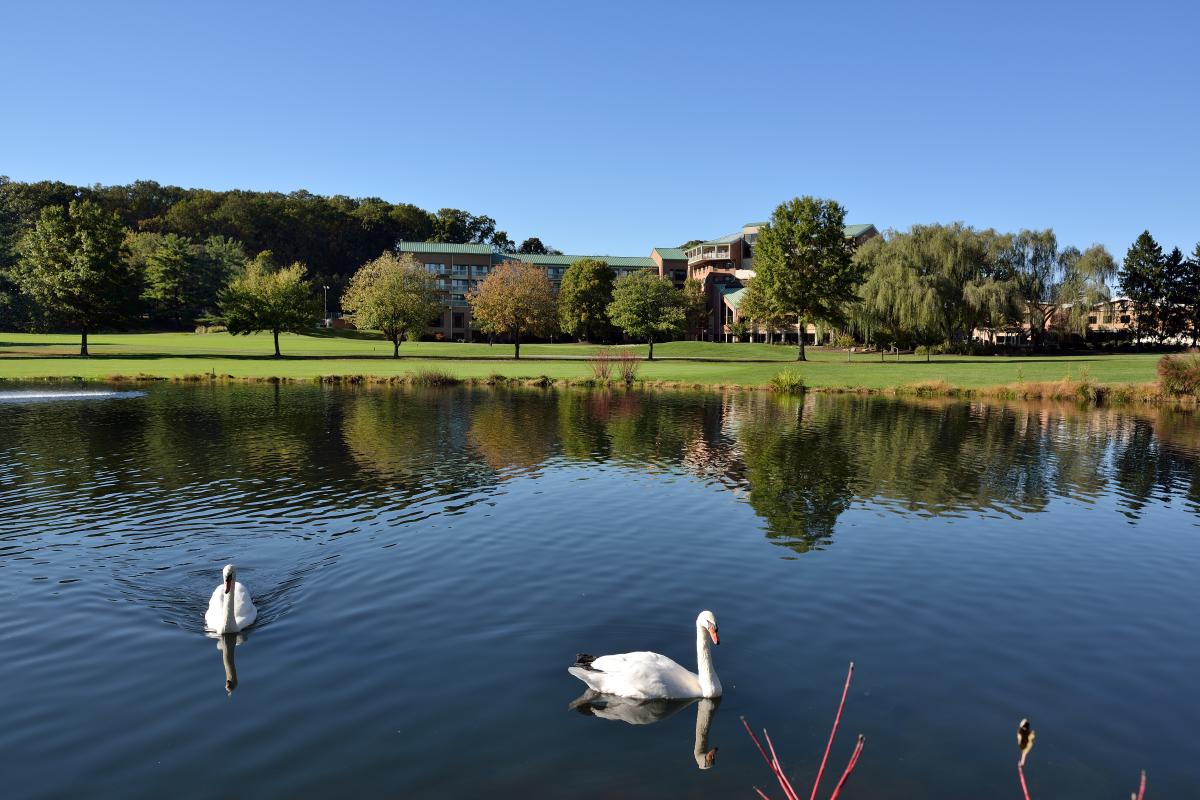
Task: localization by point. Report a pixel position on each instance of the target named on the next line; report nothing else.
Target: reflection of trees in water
(799, 474)
(799, 462)
(409, 443)
(513, 432)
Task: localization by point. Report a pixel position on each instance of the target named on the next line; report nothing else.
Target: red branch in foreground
(773, 760)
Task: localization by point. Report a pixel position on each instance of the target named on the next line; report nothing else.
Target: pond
(428, 563)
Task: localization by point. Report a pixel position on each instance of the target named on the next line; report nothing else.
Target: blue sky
(615, 127)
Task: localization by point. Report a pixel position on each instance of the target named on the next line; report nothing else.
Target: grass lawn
(31, 356)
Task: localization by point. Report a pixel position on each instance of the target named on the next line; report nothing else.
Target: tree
(267, 299)
(515, 299)
(756, 307)
(646, 306)
(456, 225)
(695, 306)
(172, 278)
(1173, 316)
(393, 295)
(1081, 282)
(223, 260)
(1058, 287)
(1187, 293)
(73, 264)
(1141, 280)
(583, 298)
(533, 246)
(805, 263)
(502, 244)
(933, 284)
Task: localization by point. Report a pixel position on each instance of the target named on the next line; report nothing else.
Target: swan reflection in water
(647, 712)
(226, 642)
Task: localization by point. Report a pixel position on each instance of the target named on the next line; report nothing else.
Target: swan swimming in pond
(229, 609)
(651, 676)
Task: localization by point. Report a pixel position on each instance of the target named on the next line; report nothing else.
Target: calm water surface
(427, 564)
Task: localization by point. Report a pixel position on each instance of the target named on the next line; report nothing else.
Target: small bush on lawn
(1179, 376)
(788, 382)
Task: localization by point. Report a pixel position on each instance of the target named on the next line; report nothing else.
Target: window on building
(459, 320)
(436, 269)
(1125, 318)
(1092, 320)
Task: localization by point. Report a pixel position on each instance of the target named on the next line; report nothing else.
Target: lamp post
(326, 306)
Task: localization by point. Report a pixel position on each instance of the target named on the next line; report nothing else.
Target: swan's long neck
(230, 617)
(710, 686)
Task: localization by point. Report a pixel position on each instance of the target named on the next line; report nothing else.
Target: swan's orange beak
(228, 584)
(712, 634)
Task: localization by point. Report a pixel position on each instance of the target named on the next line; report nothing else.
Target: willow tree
(935, 283)
(1082, 282)
(804, 263)
(1058, 287)
(394, 295)
(515, 299)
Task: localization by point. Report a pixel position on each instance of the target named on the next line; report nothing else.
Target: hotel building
(722, 266)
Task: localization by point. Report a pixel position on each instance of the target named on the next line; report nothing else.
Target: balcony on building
(708, 252)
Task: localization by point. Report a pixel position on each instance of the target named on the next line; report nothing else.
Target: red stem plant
(773, 760)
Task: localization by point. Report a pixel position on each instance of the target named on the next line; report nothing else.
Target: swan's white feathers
(640, 675)
(243, 609)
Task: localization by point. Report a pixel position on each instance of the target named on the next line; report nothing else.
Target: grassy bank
(361, 356)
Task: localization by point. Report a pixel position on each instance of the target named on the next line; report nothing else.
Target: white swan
(229, 609)
(650, 676)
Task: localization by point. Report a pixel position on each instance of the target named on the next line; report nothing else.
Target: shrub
(602, 366)
(1179, 376)
(433, 377)
(627, 366)
(788, 382)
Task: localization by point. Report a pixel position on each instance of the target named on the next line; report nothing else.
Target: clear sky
(614, 127)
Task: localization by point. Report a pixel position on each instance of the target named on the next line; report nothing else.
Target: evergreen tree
(1188, 294)
(172, 279)
(1173, 312)
(1141, 280)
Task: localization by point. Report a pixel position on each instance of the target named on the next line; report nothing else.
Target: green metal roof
(671, 253)
(734, 298)
(637, 262)
(854, 231)
(850, 231)
(443, 247)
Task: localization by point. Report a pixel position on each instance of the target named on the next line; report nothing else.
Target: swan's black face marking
(584, 661)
